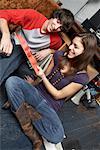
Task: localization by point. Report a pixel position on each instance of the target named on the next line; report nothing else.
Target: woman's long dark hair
(90, 47)
(81, 62)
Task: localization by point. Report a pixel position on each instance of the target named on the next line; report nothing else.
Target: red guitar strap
(28, 52)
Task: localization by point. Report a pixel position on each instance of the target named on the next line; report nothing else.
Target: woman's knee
(11, 82)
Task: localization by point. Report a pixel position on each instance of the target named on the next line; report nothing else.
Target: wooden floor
(81, 126)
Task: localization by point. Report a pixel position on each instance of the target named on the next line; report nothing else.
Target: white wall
(82, 9)
(73, 5)
(88, 10)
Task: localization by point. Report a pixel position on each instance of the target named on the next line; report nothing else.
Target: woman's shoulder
(81, 72)
(81, 77)
(58, 54)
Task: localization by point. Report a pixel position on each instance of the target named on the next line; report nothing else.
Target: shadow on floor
(80, 124)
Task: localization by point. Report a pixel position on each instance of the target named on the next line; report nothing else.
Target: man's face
(53, 25)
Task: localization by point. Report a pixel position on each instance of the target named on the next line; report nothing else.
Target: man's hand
(6, 46)
(29, 79)
(42, 54)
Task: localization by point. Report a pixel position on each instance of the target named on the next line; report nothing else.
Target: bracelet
(43, 76)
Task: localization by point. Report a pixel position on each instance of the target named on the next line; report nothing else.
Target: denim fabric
(49, 126)
(9, 64)
(25, 70)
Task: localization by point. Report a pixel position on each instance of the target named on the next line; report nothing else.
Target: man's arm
(5, 43)
(26, 18)
(19, 17)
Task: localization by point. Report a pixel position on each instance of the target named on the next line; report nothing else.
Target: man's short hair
(66, 18)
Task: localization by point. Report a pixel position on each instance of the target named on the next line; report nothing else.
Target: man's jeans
(9, 64)
(49, 126)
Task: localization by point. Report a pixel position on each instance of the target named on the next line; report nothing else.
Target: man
(39, 32)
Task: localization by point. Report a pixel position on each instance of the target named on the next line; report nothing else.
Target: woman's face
(75, 48)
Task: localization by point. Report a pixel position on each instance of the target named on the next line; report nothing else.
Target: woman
(39, 103)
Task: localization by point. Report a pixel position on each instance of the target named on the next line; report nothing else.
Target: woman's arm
(67, 91)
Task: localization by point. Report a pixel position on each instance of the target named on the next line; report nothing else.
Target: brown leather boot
(34, 115)
(26, 124)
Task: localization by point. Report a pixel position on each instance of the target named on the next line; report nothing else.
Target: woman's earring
(65, 54)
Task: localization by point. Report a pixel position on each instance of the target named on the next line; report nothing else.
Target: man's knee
(56, 136)
(59, 137)
(11, 82)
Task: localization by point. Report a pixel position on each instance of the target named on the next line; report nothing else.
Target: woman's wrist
(43, 76)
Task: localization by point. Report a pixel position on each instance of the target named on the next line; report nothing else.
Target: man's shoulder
(56, 40)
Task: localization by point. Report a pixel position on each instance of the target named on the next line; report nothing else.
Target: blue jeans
(9, 64)
(49, 126)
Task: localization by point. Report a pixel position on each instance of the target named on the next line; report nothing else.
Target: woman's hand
(40, 72)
